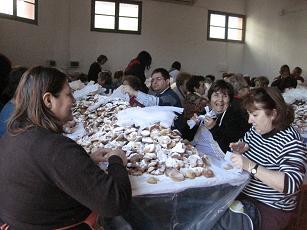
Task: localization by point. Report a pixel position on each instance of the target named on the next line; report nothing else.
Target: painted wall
(169, 32)
(28, 44)
(276, 35)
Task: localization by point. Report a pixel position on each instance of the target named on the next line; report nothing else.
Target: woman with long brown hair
(47, 180)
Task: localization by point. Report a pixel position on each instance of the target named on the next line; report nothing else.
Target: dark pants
(271, 218)
(274, 219)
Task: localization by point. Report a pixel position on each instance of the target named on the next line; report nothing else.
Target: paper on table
(90, 88)
(147, 116)
(79, 132)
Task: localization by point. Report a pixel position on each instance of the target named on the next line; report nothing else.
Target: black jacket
(48, 181)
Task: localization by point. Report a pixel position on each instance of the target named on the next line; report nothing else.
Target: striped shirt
(282, 151)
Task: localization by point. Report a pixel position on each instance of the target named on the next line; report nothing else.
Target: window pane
(235, 22)
(107, 8)
(129, 10)
(25, 10)
(32, 1)
(235, 34)
(217, 20)
(104, 22)
(6, 6)
(217, 32)
(128, 24)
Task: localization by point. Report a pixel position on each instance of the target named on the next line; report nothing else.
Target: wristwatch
(254, 170)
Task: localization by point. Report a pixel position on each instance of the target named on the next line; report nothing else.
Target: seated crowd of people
(59, 185)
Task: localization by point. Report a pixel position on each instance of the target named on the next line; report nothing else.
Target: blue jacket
(5, 115)
(166, 98)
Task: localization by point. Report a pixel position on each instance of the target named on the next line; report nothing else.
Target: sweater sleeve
(293, 158)
(78, 176)
(146, 99)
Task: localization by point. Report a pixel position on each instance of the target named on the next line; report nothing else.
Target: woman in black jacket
(48, 181)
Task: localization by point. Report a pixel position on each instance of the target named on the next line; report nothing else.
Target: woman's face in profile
(201, 89)
(261, 121)
(62, 105)
(219, 101)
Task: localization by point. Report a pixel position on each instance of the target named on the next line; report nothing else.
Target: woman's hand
(239, 147)
(117, 152)
(209, 122)
(241, 162)
(128, 89)
(103, 154)
(195, 118)
(100, 155)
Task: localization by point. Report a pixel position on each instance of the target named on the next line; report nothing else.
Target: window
(226, 27)
(116, 16)
(21, 10)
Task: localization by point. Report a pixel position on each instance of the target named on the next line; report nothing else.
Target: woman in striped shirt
(274, 154)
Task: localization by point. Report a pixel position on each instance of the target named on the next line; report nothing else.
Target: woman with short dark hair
(229, 124)
(274, 154)
(48, 181)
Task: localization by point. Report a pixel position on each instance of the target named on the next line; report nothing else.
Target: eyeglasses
(157, 79)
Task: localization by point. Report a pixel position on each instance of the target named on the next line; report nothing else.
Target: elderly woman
(274, 155)
(230, 123)
(239, 84)
(47, 180)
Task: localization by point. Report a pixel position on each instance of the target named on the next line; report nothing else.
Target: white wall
(28, 44)
(169, 32)
(274, 37)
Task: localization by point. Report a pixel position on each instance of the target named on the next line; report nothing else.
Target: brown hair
(262, 81)
(182, 77)
(194, 104)
(223, 86)
(30, 109)
(105, 76)
(270, 99)
(238, 82)
(133, 81)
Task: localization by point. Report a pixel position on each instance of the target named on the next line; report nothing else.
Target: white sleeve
(146, 99)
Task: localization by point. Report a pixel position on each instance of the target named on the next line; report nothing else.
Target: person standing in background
(137, 67)
(96, 68)
(175, 70)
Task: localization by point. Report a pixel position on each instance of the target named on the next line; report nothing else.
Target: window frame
(21, 19)
(226, 26)
(116, 30)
